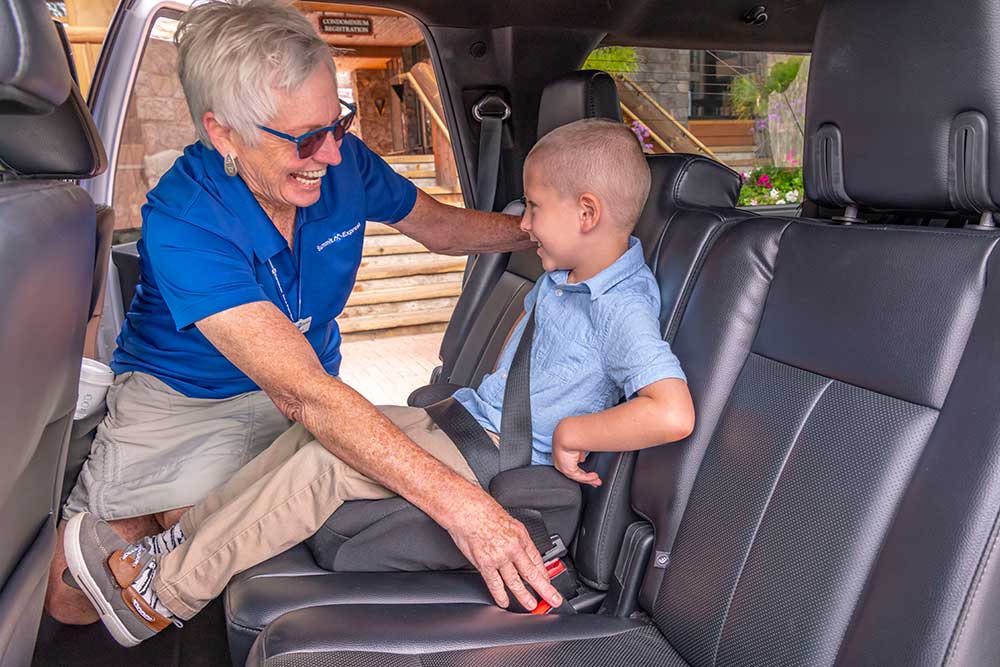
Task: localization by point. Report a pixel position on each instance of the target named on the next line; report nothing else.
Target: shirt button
(558, 292)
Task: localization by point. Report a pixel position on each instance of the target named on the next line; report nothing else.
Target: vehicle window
(383, 65)
(745, 109)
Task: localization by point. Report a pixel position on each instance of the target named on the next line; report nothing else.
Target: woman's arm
(449, 230)
(266, 346)
(661, 412)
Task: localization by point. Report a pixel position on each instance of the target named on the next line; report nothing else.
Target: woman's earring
(230, 165)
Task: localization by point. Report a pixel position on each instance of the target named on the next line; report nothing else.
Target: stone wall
(157, 128)
(665, 74)
(373, 94)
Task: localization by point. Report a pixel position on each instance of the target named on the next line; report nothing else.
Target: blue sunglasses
(307, 144)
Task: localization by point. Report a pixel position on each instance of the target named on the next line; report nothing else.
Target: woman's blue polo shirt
(207, 246)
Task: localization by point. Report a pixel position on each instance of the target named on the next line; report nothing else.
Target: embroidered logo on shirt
(339, 236)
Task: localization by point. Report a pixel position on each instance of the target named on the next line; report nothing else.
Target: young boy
(596, 339)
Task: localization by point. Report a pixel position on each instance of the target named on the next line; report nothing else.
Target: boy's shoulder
(634, 299)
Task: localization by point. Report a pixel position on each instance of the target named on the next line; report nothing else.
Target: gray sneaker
(105, 566)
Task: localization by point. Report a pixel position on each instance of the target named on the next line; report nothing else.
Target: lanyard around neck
(281, 292)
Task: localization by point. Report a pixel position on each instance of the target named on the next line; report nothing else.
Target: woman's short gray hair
(233, 55)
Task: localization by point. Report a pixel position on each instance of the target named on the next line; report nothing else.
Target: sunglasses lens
(342, 126)
(311, 144)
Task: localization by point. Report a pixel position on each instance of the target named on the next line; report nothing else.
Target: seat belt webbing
(515, 419)
(491, 111)
(484, 457)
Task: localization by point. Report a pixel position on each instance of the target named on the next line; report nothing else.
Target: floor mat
(200, 643)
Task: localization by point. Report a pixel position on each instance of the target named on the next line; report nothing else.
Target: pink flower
(764, 180)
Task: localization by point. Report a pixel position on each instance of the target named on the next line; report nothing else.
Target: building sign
(351, 25)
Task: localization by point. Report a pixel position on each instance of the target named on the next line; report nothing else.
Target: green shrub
(613, 59)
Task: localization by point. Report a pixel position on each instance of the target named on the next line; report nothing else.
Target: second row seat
(692, 201)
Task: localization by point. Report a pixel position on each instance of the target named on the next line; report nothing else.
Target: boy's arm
(661, 412)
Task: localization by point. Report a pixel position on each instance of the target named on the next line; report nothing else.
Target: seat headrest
(692, 180)
(903, 109)
(63, 143)
(34, 76)
(575, 96)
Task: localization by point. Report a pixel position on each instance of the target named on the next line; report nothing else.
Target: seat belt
(484, 457)
(491, 111)
(487, 460)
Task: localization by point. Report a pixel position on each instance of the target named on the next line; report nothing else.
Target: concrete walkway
(386, 370)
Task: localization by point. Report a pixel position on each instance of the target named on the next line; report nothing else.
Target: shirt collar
(236, 196)
(630, 261)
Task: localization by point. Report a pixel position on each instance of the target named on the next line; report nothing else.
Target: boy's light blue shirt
(595, 342)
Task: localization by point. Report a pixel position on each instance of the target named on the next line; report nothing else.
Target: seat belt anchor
(491, 105)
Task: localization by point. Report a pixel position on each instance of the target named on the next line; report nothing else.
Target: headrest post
(850, 216)
(986, 222)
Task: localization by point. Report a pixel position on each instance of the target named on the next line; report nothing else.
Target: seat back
(845, 509)
(47, 260)
(105, 231)
(692, 201)
(497, 282)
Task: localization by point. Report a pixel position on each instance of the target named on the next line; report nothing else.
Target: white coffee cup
(95, 378)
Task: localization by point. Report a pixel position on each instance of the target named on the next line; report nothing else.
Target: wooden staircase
(401, 286)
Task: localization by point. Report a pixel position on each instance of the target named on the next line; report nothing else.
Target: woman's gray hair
(233, 55)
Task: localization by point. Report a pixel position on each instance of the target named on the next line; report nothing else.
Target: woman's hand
(567, 455)
(501, 549)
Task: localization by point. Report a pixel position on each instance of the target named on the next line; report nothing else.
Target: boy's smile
(551, 221)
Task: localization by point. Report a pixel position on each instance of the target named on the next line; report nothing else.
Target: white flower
(780, 202)
(773, 193)
(792, 196)
(753, 202)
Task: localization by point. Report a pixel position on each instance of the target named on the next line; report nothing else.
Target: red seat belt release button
(553, 568)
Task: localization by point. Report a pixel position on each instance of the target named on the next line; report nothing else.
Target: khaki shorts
(158, 450)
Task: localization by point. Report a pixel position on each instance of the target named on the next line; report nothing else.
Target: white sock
(143, 585)
(166, 541)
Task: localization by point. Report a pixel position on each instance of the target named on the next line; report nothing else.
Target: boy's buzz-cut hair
(599, 156)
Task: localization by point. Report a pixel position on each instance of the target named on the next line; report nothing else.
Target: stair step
(433, 327)
(423, 183)
(408, 265)
(408, 281)
(408, 159)
(365, 297)
(397, 307)
(387, 244)
(418, 173)
(349, 325)
(379, 229)
(439, 190)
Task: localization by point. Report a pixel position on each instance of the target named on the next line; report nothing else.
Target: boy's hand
(566, 457)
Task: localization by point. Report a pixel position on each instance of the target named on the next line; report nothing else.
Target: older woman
(251, 243)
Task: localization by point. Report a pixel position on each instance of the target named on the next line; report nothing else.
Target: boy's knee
(167, 519)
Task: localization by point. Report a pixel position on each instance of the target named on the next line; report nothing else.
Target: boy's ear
(590, 212)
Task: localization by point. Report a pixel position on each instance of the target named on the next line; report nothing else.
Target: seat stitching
(984, 562)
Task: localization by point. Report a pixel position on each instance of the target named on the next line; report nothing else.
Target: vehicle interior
(839, 499)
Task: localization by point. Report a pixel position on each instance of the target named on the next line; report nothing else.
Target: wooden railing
(667, 116)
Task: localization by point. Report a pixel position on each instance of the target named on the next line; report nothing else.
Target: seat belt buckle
(557, 551)
(554, 568)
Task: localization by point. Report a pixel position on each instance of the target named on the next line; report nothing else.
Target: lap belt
(487, 460)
